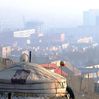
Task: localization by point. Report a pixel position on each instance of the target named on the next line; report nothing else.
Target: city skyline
(55, 13)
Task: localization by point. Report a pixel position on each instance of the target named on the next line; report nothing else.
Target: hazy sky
(53, 12)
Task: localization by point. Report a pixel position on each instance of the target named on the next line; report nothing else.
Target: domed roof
(28, 71)
(31, 78)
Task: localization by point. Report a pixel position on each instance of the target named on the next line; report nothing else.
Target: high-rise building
(97, 20)
(91, 18)
(62, 37)
(34, 24)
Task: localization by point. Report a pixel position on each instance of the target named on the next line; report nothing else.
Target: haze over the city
(54, 13)
(61, 36)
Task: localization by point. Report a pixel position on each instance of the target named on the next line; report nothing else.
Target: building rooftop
(30, 78)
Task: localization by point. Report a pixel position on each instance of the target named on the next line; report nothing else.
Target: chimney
(30, 56)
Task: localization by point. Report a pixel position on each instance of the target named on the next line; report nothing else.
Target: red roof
(49, 66)
(56, 69)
